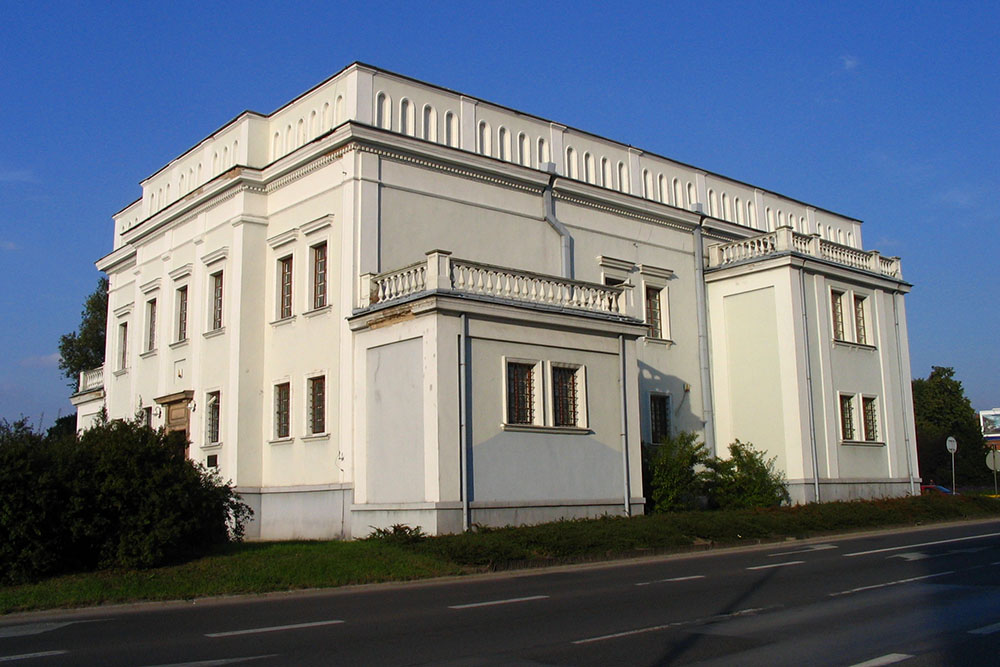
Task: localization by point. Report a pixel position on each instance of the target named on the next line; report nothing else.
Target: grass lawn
(279, 566)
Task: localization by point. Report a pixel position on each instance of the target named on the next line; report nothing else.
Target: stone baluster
(438, 270)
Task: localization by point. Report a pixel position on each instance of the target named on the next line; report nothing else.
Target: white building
(388, 302)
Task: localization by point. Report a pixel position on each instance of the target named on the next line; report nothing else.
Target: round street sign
(993, 460)
(952, 444)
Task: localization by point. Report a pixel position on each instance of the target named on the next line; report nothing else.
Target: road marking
(273, 628)
(662, 581)
(891, 583)
(39, 628)
(815, 547)
(27, 656)
(770, 565)
(910, 556)
(922, 544)
(887, 659)
(675, 624)
(491, 603)
(220, 661)
(987, 630)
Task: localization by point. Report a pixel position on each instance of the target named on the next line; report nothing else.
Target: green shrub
(398, 533)
(673, 473)
(745, 480)
(119, 495)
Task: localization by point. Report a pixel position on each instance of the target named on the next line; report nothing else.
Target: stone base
(318, 512)
(830, 490)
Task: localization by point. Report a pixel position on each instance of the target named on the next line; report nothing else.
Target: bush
(745, 480)
(672, 473)
(119, 495)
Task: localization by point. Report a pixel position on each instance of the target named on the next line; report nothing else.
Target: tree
(941, 409)
(745, 480)
(672, 473)
(84, 349)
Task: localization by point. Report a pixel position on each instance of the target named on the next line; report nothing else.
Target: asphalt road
(920, 597)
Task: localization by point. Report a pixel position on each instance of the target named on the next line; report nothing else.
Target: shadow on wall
(653, 382)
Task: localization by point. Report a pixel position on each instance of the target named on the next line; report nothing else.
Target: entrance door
(178, 417)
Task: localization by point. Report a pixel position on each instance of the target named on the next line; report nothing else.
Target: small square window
(282, 399)
(212, 461)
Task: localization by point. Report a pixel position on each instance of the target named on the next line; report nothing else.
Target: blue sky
(882, 111)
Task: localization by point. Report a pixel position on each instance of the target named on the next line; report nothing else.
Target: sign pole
(952, 446)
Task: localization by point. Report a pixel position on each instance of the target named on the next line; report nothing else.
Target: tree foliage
(745, 480)
(83, 349)
(941, 409)
(672, 473)
(118, 495)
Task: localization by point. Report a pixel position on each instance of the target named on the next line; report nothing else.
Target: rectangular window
(847, 417)
(319, 275)
(147, 416)
(282, 396)
(564, 396)
(871, 419)
(317, 405)
(216, 301)
(150, 325)
(213, 417)
(182, 313)
(837, 301)
(653, 313)
(284, 287)
(860, 333)
(520, 393)
(659, 418)
(123, 346)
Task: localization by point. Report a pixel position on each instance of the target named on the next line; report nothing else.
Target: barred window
(213, 417)
(847, 417)
(319, 275)
(659, 418)
(564, 396)
(317, 405)
(653, 313)
(282, 396)
(182, 313)
(838, 315)
(871, 419)
(520, 393)
(151, 325)
(861, 335)
(123, 346)
(285, 287)
(217, 301)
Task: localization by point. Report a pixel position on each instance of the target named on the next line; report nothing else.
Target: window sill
(178, 344)
(147, 354)
(120, 372)
(318, 311)
(852, 344)
(315, 436)
(214, 332)
(538, 428)
(212, 445)
(668, 342)
(283, 321)
(862, 443)
(281, 441)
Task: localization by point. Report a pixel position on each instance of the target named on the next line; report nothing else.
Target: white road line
(273, 628)
(663, 581)
(676, 624)
(986, 630)
(922, 544)
(39, 628)
(891, 583)
(220, 661)
(27, 656)
(886, 659)
(491, 603)
(815, 547)
(770, 565)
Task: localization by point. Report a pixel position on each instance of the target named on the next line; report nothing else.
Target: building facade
(388, 302)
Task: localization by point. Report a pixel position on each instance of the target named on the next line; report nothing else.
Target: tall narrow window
(871, 419)
(213, 417)
(285, 287)
(847, 417)
(282, 396)
(319, 275)
(837, 302)
(520, 394)
(654, 317)
(150, 325)
(860, 332)
(123, 346)
(317, 405)
(182, 313)
(659, 418)
(217, 301)
(564, 396)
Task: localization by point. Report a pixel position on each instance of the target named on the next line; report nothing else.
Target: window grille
(282, 394)
(285, 265)
(847, 417)
(871, 419)
(182, 313)
(319, 276)
(861, 335)
(216, 301)
(317, 405)
(564, 396)
(653, 318)
(659, 418)
(520, 394)
(838, 315)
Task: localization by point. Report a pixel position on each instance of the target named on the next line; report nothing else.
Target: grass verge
(279, 566)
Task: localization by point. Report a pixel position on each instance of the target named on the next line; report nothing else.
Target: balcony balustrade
(92, 379)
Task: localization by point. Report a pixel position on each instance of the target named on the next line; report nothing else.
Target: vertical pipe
(463, 412)
(625, 462)
(706, 373)
(809, 386)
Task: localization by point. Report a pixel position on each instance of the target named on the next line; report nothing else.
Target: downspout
(706, 374)
(902, 390)
(463, 431)
(549, 211)
(809, 387)
(624, 411)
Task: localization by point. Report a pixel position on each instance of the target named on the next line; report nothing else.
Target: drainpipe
(902, 395)
(628, 494)
(549, 210)
(706, 374)
(809, 386)
(463, 431)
